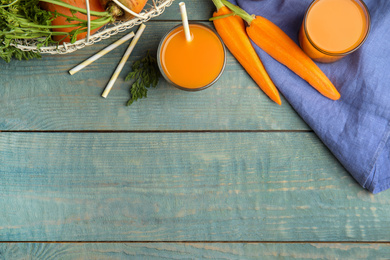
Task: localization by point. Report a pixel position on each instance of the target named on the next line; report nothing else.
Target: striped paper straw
(184, 19)
(101, 53)
(123, 61)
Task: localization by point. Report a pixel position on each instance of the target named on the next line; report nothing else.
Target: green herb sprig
(15, 16)
(145, 73)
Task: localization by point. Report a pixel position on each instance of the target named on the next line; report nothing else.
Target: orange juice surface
(336, 26)
(192, 64)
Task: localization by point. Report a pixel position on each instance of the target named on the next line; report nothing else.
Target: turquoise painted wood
(41, 95)
(181, 187)
(221, 165)
(180, 251)
(196, 10)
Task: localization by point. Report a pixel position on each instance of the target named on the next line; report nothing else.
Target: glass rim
(368, 21)
(181, 87)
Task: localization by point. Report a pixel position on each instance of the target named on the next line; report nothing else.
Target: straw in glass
(184, 19)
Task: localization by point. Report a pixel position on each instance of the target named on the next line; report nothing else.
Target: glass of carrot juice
(191, 65)
(333, 29)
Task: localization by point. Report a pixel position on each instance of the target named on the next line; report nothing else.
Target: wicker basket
(154, 10)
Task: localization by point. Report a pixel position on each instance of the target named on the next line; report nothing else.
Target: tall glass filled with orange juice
(191, 65)
(333, 29)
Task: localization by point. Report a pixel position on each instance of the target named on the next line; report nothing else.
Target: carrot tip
(277, 100)
(334, 96)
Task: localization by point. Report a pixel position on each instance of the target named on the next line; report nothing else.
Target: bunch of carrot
(57, 21)
(229, 23)
(69, 15)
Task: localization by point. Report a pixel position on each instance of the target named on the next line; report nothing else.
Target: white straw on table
(184, 19)
(123, 61)
(101, 53)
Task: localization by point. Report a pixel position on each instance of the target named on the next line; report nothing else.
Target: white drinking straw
(123, 61)
(101, 53)
(184, 18)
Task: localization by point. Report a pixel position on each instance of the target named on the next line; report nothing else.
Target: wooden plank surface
(181, 187)
(223, 164)
(41, 95)
(198, 10)
(194, 251)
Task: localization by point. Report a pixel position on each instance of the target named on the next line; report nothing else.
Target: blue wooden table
(221, 173)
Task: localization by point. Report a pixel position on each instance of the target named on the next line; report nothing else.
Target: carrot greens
(22, 20)
(145, 73)
(15, 18)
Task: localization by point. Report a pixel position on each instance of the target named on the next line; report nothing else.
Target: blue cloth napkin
(356, 127)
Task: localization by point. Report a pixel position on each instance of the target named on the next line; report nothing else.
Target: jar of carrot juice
(191, 65)
(332, 29)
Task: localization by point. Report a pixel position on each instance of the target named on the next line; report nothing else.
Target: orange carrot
(232, 31)
(70, 20)
(282, 48)
(120, 14)
(62, 20)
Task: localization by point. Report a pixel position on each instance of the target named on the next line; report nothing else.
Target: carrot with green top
(231, 29)
(282, 48)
